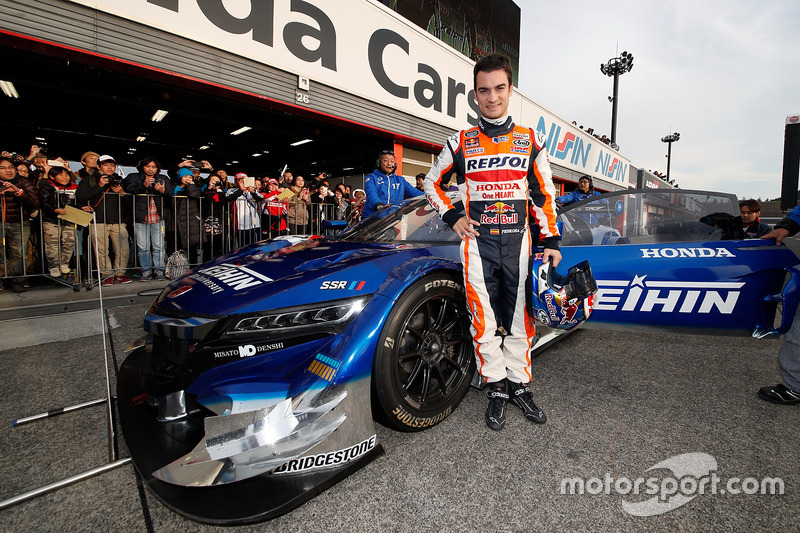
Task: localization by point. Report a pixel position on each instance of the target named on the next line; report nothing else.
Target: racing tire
(425, 359)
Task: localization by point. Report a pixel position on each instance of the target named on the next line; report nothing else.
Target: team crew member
(788, 391)
(384, 187)
(748, 225)
(585, 190)
(504, 177)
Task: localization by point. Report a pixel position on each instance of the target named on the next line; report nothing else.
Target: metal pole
(63, 483)
(614, 97)
(669, 157)
(112, 453)
(56, 412)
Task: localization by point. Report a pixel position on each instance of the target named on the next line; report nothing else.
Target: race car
(262, 371)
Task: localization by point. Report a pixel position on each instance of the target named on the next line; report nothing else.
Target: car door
(661, 261)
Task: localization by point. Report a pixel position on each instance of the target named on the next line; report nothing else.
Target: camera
(114, 180)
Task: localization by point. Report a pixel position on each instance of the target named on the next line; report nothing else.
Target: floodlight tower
(615, 67)
(669, 139)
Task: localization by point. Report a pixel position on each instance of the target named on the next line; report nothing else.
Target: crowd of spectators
(141, 218)
(602, 138)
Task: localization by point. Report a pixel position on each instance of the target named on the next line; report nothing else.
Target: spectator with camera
(357, 206)
(103, 192)
(246, 212)
(39, 164)
(341, 206)
(19, 199)
(187, 213)
(274, 220)
(56, 192)
(297, 207)
(150, 193)
(322, 202)
(194, 166)
(215, 221)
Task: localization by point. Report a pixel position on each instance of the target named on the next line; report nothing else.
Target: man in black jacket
(152, 193)
(748, 225)
(19, 198)
(103, 192)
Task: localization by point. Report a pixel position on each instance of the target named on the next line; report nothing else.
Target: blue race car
(262, 370)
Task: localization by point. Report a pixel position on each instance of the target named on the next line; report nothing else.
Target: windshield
(413, 221)
(652, 216)
(622, 217)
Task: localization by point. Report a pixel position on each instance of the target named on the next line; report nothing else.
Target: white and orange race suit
(504, 177)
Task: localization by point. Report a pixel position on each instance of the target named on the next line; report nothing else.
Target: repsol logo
(418, 422)
(497, 162)
(651, 296)
(329, 459)
(669, 253)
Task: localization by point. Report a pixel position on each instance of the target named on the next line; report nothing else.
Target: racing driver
(504, 177)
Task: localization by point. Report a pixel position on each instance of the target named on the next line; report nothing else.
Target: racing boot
(521, 397)
(497, 393)
(780, 394)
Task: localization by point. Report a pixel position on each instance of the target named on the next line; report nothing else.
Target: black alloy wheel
(425, 361)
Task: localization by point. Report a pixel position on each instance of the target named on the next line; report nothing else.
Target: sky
(723, 73)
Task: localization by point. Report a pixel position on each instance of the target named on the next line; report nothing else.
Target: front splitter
(153, 444)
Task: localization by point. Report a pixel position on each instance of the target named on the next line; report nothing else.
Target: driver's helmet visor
(577, 283)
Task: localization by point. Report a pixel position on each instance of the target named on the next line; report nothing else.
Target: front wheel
(424, 362)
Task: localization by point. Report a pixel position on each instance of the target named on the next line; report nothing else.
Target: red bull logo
(498, 214)
(499, 207)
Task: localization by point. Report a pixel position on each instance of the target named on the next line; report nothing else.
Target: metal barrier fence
(130, 243)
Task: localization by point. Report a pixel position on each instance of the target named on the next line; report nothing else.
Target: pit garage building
(255, 86)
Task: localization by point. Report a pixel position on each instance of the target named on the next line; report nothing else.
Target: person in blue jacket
(384, 187)
(585, 190)
(788, 391)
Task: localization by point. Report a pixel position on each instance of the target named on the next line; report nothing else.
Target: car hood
(282, 272)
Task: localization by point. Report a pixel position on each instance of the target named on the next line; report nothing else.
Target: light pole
(615, 67)
(669, 139)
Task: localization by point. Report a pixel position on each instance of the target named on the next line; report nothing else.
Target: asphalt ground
(618, 403)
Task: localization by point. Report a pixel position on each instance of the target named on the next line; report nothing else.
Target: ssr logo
(342, 285)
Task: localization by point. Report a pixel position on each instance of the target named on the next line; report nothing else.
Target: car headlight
(331, 317)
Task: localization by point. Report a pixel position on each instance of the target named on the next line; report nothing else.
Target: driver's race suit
(504, 178)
